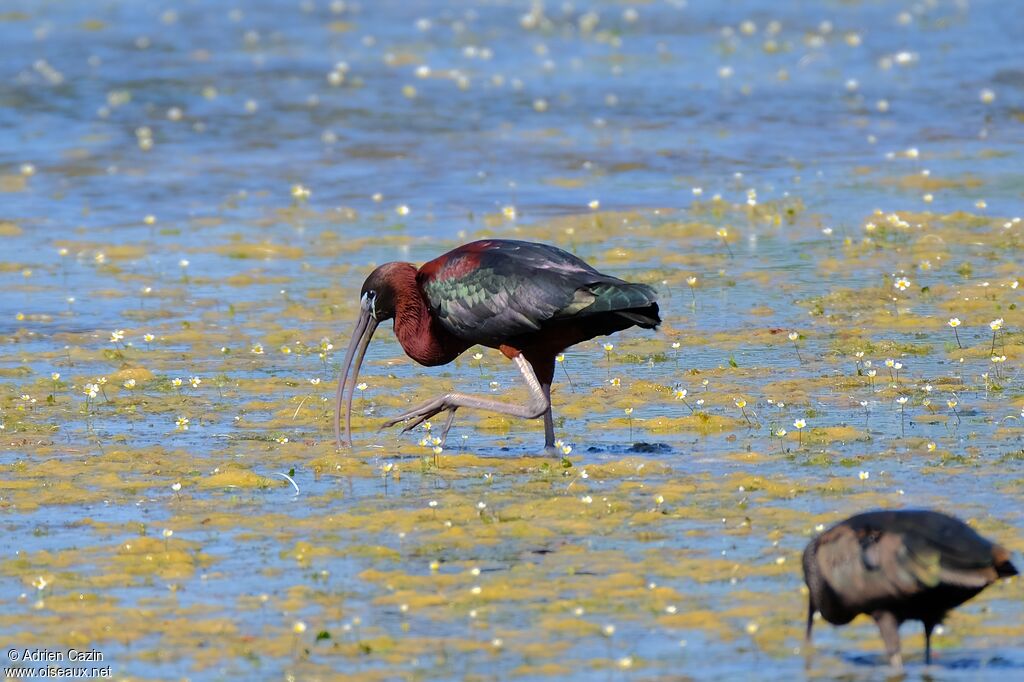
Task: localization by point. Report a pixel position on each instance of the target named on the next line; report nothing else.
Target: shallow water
(147, 172)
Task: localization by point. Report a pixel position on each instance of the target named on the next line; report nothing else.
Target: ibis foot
(422, 413)
(537, 405)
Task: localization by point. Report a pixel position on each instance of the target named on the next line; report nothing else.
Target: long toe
(413, 423)
(418, 414)
(447, 425)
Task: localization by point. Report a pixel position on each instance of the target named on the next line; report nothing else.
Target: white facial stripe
(368, 302)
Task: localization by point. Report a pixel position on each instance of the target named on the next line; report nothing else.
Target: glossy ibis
(530, 301)
(897, 566)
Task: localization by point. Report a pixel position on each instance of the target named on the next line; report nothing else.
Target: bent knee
(538, 409)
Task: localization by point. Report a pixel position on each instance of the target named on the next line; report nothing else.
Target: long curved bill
(365, 326)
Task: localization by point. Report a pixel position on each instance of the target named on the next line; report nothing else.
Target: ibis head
(376, 304)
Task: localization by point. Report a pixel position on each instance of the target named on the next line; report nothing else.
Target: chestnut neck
(422, 338)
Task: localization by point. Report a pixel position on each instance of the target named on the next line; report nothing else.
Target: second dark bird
(896, 566)
(530, 301)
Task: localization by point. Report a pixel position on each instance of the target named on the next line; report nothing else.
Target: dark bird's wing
(886, 555)
(964, 557)
(498, 289)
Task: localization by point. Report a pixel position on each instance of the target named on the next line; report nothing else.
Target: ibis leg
(890, 629)
(928, 627)
(536, 405)
(544, 365)
(808, 648)
(549, 420)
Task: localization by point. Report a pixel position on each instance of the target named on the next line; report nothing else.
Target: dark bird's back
(503, 291)
(897, 566)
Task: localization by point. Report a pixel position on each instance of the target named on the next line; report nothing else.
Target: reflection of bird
(897, 566)
(530, 301)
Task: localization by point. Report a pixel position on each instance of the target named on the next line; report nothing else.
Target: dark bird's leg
(890, 629)
(549, 422)
(807, 636)
(545, 368)
(535, 406)
(928, 627)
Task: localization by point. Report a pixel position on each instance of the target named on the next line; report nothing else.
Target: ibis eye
(371, 298)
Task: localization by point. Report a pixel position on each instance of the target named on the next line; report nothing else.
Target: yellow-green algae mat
(146, 498)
